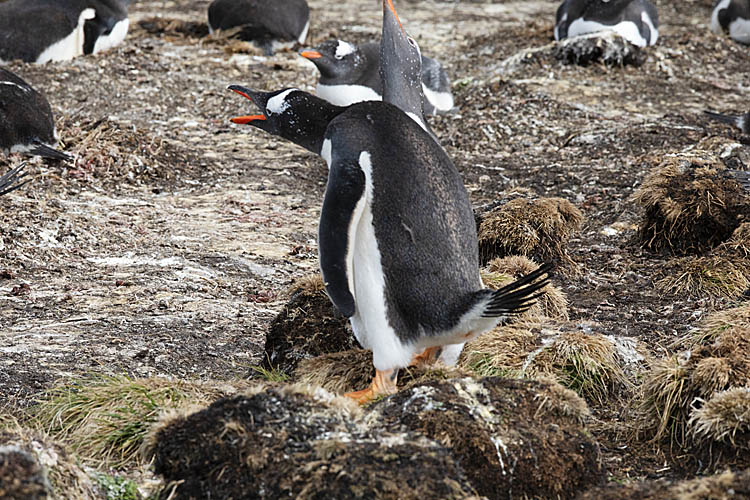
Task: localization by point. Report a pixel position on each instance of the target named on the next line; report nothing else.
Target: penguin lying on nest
(732, 17)
(634, 20)
(397, 240)
(26, 123)
(10, 180)
(350, 73)
(742, 122)
(58, 30)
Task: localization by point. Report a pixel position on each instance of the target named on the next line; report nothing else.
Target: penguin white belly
(715, 25)
(69, 47)
(115, 37)
(626, 29)
(303, 35)
(346, 95)
(442, 101)
(739, 30)
(367, 283)
(557, 26)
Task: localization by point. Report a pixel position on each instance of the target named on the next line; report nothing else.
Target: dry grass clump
(523, 224)
(713, 276)
(672, 405)
(104, 418)
(739, 244)
(587, 363)
(172, 28)
(501, 271)
(692, 203)
(724, 417)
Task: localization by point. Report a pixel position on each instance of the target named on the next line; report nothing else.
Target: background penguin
(742, 122)
(270, 24)
(9, 180)
(634, 20)
(397, 239)
(108, 28)
(733, 17)
(26, 123)
(350, 73)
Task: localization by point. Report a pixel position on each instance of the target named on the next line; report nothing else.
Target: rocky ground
(167, 246)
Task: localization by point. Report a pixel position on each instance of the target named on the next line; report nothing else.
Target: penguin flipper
(342, 207)
(9, 180)
(41, 149)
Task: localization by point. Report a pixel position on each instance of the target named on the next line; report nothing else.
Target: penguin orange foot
(427, 358)
(383, 384)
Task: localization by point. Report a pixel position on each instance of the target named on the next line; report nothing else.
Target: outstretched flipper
(9, 181)
(342, 208)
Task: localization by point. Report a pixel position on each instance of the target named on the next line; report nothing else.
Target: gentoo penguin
(109, 26)
(269, 24)
(350, 73)
(742, 122)
(10, 180)
(26, 123)
(733, 17)
(634, 20)
(397, 240)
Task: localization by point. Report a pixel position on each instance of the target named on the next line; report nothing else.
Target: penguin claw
(383, 384)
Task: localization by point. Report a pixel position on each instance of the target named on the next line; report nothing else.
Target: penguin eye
(412, 42)
(339, 57)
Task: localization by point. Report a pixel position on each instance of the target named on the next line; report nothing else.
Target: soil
(166, 246)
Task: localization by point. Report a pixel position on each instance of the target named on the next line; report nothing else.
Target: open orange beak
(311, 54)
(243, 120)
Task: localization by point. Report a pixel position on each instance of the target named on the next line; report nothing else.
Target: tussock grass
(104, 418)
(714, 276)
(724, 417)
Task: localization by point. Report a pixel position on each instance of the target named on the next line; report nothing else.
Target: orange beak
(243, 120)
(311, 54)
(393, 10)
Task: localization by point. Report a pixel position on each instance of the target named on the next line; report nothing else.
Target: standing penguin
(350, 73)
(26, 123)
(635, 20)
(10, 180)
(733, 17)
(397, 240)
(269, 24)
(742, 122)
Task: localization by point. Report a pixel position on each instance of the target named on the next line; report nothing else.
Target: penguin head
(295, 115)
(335, 59)
(400, 65)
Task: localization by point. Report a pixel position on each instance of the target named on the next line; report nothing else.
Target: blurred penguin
(742, 122)
(634, 20)
(732, 17)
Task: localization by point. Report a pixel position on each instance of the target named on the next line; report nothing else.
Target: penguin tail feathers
(41, 149)
(743, 178)
(519, 296)
(730, 119)
(8, 182)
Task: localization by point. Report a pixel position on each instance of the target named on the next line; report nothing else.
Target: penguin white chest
(626, 29)
(114, 38)
(367, 283)
(346, 95)
(71, 46)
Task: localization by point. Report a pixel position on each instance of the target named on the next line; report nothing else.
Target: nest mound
(298, 442)
(713, 276)
(591, 364)
(725, 486)
(607, 47)
(534, 227)
(502, 271)
(307, 326)
(352, 370)
(503, 432)
(33, 467)
(692, 204)
(701, 396)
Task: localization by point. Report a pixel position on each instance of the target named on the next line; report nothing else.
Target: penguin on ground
(635, 20)
(269, 24)
(742, 122)
(350, 73)
(40, 31)
(10, 181)
(733, 17)
(397, 240)
(26, 122)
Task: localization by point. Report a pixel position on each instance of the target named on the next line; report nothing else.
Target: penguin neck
(309, 127)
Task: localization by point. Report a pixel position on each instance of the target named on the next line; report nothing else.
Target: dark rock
(21, 476)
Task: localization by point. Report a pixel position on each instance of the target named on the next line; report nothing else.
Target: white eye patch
(344, 49)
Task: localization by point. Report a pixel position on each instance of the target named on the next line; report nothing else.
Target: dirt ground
(166, 248)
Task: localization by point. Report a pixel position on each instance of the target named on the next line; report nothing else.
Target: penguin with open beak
(397, 240)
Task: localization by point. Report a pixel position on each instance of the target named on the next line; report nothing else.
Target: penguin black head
(335, 59)
(400, 66)
(297, 116)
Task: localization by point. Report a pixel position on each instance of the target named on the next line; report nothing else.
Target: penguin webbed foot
(429, 357)
(383, 384)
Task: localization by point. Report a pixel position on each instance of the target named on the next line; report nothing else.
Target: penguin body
(732, 17)
(350, 73)
(26, 122)
(742, 122)
(47, 30)
(635, 20)
(270, 24)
